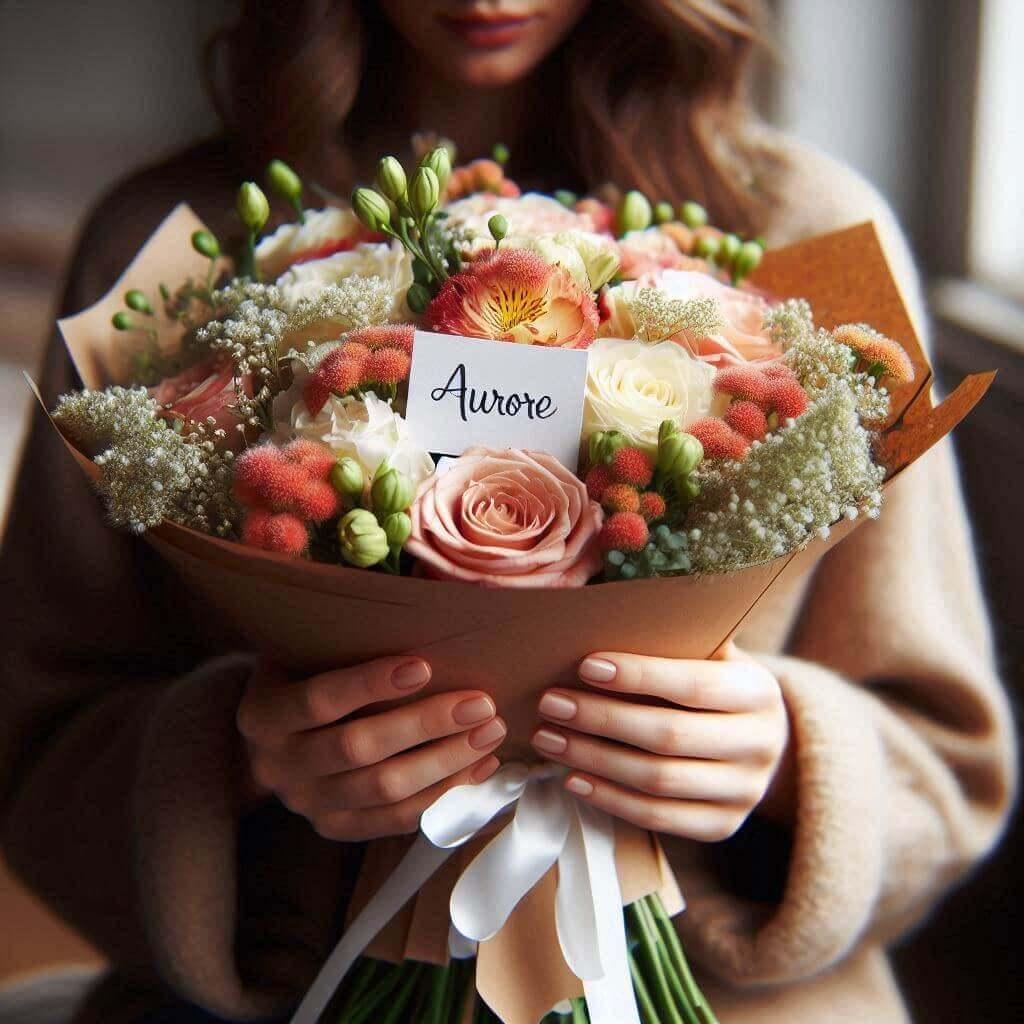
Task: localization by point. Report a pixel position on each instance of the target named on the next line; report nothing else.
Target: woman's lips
(485, 32)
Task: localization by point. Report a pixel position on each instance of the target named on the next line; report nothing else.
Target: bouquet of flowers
(439, 419)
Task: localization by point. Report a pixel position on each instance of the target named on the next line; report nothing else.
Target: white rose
(365, 429)
(528, 216)
(391, 262)
(590, 258)
(632, 387)
(322, 229)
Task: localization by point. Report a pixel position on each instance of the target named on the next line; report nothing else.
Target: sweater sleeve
(904, 747)
(120, 781)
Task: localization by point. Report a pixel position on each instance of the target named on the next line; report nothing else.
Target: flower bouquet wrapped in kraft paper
(330, 431)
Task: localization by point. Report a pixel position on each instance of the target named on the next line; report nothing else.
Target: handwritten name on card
(470, 391)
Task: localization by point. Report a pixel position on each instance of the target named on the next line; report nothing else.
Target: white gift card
(470, 391)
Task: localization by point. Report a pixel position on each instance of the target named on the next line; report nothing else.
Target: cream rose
(528, 216)
(506, 519)
(390, 262)
(322, 231)
(632, 387)
(366, 429)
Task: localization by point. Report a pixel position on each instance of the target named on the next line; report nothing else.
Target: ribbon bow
(549, 826)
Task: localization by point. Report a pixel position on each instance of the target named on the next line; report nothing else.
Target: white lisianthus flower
(590, 258)
(632, 387)
(528, 216)
(389, 261)
(365, 429)
(322, 230)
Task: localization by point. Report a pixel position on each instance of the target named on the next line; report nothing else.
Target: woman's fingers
(705, 685)
(666, 731)
(275, 707)
(407, 774)
(373, 822)
(676, 778)
(704, 821)
(360, 742)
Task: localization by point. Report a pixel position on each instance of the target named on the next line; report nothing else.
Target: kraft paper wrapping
(514, 644)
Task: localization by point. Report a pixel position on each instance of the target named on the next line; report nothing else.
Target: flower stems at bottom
(675, 952)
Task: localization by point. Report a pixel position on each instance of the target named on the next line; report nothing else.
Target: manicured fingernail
(484, 770)
(476, 709)
(488, 734)
(557, 705)
(409, 675)
(578, 786)
(550, 742)
(597, 670)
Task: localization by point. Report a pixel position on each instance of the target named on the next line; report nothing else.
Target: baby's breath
(656, 317)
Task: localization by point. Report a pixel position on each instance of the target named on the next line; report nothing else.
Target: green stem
(643, 999)
(655, 976)
(436, 999)
(686, 1008)
(370, 1003)
(678, 958)
(361, 980)
(402, 997)
(579, 1012)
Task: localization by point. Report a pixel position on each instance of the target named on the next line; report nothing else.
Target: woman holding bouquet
(199, 817)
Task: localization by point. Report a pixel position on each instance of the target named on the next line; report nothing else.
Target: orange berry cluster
(370, 356)
(620, 485)
(758, 391)
(479, 176)
(284, 490)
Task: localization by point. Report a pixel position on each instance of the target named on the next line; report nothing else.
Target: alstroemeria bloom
(325, 232)
(741, 337)
(632, 387)
(506, 519)
(514, 295)
(528, 216)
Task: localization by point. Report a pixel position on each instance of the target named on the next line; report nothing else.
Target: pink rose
(506, 519)
(202, 391)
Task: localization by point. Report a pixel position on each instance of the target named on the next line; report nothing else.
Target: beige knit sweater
(119, 760)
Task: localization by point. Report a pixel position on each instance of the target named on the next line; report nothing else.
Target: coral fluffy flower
(514, 295)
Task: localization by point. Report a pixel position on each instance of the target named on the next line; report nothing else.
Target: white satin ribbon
(549, 826)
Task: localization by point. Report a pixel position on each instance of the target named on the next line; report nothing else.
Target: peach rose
(506, 519)
(742, 336)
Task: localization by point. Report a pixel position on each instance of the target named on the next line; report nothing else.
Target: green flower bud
(634, 212)
(688, 488)
(603, 445)
(707, 247)
(122, 321)
(284, 181)
(679, 455)
(566, 198)
(347, 477)
(729, 249)
(363, 541)
(137, 300)
(421, 273)
(747, 260)
(391, 492)
(668, 428)
(391, 178)
(663, 213)
(693, 215)
(418, 297)
(397, 527)
(498, 227)
(500, 153)
(439, 160)
(424, 191)
(252, 206)
(371, 208)
(205, 243)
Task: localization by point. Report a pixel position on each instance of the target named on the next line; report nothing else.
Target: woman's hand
(695, 769)
(367, 777)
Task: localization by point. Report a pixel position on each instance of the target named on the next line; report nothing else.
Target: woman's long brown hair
(649, 94)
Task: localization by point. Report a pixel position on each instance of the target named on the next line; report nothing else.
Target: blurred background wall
(924, 97)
